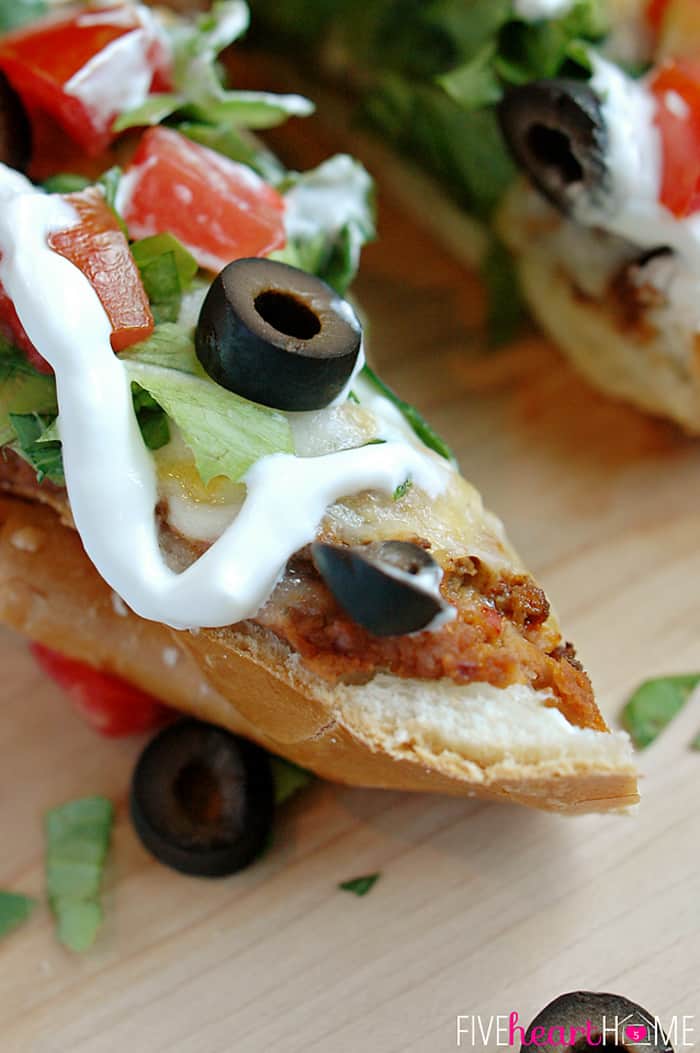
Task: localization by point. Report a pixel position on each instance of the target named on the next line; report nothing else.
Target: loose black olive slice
(15, 129)
(575, 1017)
(202, 799)
(557, 135)
(277, 336)
(390, 588)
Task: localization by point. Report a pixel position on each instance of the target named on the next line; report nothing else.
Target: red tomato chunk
(99, 249)
(110, 705)
(221, 210)
(676, 86)
(83, 67)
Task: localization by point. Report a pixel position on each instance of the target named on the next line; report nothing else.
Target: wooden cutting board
(481, 909)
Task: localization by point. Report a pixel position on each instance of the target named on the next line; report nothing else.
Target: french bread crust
(392, 733)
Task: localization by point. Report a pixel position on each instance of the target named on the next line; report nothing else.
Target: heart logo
(636, 1032)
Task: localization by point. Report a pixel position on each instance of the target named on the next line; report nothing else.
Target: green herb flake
(65, 183)
(289, 779)
(403, 489)
(654, 705)
(360, 886)
(38, 448)
(14, 911)
(419, 424)
(78, 835)
(695, 744)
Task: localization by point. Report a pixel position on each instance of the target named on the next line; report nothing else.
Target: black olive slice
(390, 588)
(575, 1017)
(556, 132)
(202, 799)
(277, 335)
(15, 129)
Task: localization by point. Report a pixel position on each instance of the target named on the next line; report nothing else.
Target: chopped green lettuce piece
(474, 83)
(77, 922)
(154, 110)
(330, 215)
(360, 886)
(416, 420)
(226, 433)
(22, 390)
(65, 183)
(288, 778)
(654, 705)
(250, 109)
(152, 418)
(34, 446)
(14, 911)
(16, 13)
(78, 835)
(167, 270)
(402, 489)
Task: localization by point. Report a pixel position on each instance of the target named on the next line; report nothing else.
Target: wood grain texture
(480, 908)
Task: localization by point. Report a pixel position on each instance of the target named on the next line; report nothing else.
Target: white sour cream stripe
(110, 475)
(633, 210)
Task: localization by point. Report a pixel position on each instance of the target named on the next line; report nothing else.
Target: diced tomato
(98, 247)
(655, 11)
(83, 67)
(110, 705)
(676, 86)
(13, 330)
(221, 210)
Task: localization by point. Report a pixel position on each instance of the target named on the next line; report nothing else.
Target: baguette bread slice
(504, 744)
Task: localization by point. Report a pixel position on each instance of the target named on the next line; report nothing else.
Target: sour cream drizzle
(632, 209)
(110, 475)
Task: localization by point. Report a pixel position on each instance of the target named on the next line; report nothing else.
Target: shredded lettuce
(431, 70)
(330, 215)
(36, 445)
(288, 779)
(14, 911)
(200, 96)
(22, 390)
(77, 835)
(167, 270)
(226, 433)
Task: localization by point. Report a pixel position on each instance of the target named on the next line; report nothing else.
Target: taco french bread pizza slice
(569, 131)
(206, 489)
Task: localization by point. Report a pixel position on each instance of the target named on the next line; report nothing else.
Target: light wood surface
(480, 908)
